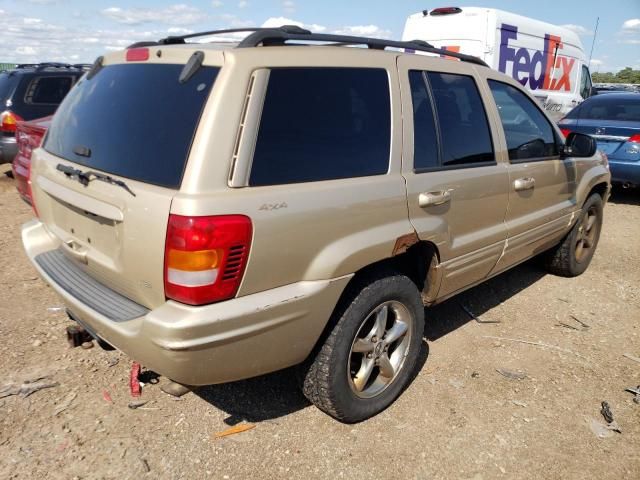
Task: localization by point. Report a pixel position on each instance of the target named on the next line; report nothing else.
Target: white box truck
(547, 59)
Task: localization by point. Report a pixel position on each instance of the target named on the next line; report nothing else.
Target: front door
(541, 183)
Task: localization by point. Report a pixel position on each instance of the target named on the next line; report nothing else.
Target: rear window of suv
(323, 124)
(132, 120)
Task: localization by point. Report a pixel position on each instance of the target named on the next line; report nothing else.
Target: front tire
(370, 355)
(573, 255)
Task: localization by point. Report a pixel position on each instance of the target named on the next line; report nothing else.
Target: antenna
(595, 32)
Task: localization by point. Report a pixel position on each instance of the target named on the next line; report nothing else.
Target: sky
(80, 30)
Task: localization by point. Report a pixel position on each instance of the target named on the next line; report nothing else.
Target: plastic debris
(600, 430)
(606, 412)
(631, 357)
(137, 404)
(608, 416)
(25, 389)
(86, 345)
(66, 403)
(636, 392)
(511, 375)
(107, 396)
(145, 465)
(241, 427)
(55, 309)
(28, 385)
(134, 383)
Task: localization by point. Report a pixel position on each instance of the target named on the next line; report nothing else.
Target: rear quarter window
(323, 124)
(48, 90)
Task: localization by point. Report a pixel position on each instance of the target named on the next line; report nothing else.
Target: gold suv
(220, 213)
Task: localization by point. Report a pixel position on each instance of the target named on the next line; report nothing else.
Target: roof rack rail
(171, 40)
(280, 35)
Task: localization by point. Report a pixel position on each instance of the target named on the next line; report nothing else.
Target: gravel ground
(460, 418)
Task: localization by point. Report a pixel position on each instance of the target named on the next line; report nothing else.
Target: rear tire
(573, 255)
(370, 355)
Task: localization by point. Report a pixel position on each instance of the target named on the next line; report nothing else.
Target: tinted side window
(529, 134)
(425, 138)
(464, 129)
(322, 124)
(48, 90)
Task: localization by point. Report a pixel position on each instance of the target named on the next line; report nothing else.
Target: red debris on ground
(107, 396)
(134, 383)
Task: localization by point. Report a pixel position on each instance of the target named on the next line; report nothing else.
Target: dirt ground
(460, 418)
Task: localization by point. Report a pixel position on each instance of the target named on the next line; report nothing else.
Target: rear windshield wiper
(85, 177)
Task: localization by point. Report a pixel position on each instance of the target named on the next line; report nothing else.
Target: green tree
(626, 75)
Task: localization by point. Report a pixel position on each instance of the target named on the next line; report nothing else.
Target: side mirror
(580, 145)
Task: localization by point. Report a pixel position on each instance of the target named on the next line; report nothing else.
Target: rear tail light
(565, 132)
(28, 139)
(634, 138)
(205, 257)
(9, 121)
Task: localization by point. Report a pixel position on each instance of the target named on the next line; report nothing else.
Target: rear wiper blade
(85, 177)
(106, 178)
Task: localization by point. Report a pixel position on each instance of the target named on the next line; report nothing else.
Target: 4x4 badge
(273, 206)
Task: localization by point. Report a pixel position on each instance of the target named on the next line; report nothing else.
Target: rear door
(457, 190)
(541, 183)
(134, 123)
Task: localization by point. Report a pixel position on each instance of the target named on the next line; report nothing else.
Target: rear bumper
(625, 172)
(231, 340)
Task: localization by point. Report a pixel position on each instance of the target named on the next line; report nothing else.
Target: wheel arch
(419, 260)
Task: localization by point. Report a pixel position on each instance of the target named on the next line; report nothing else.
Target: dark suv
(28, 92)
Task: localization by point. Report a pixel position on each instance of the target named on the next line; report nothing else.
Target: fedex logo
(537, 70)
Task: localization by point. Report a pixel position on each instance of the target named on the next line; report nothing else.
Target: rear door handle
(76, 250)
(429, 199)
(526, 183)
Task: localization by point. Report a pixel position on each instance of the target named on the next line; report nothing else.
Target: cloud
(39, 41)
(357, 30)
(217, 4)
(179, 14)
(630, 32)
(364, 31)
(289, 6)
(632, 25)
(578, 29)
(243, 4)
(279, 21)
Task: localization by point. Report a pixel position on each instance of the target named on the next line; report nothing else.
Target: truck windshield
(132, 120)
